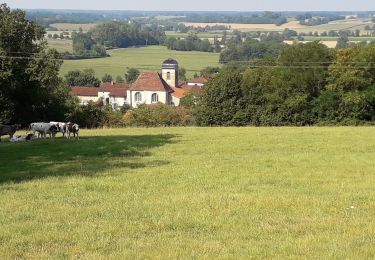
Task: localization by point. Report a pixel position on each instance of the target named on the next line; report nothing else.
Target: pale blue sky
(198, 5)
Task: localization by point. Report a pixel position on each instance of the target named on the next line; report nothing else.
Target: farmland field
(73, 26)
(143, 58)
(352, 24)
(61, 45)
(167, 193)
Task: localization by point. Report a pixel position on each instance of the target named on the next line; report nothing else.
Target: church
(149, 88)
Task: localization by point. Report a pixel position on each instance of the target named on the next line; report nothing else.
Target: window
(138, 97)
(168, 75)
(154, 98)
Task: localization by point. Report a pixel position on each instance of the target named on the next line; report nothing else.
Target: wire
(300, 65)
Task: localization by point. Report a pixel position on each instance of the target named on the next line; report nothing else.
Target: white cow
(61, 127)
(72, 128)
(43, 129)
(21, 138)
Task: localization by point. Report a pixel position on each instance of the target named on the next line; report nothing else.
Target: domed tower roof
(170, 61)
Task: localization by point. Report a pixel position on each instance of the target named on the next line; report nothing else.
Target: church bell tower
(169, 72)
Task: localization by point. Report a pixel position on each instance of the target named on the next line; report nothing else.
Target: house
(109, 93)
(149, 88)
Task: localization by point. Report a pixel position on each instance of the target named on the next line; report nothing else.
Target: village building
(149, 88)
(113, 94)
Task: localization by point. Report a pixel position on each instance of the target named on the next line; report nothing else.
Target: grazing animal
(61, 127)
(8, 130)
(72, 128)
(22, 138)
(43, 129)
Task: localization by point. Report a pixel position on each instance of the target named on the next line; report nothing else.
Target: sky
(198, 5)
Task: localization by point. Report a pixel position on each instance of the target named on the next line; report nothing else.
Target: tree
(84, 45)
(182, 73)
(107, 78)
(222, 101)
(85, 78)
(352, 70)
(131, 75)
(342, 42)
(30, 88)
(123, 34)
(209, 71)
(120, 79)
(190, 100)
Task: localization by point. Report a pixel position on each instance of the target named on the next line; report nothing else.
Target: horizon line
(235, 11)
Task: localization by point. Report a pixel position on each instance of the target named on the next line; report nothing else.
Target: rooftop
(151, 81)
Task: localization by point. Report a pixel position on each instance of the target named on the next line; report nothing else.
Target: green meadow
(142, 58)
(167, 193)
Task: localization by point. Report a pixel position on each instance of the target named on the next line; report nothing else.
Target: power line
(300, 65)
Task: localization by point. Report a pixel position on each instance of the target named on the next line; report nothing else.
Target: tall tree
(131, 75)
(221, 103)
(85, 78)
(107, 78)
(30, 86)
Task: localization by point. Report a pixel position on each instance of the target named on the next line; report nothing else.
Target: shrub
(158, 115)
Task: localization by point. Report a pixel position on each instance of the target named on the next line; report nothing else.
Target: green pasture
(73, 26)
(61, 45)
(323, 38)
(191, 193)
(206, 35)
(335, 26)
(143, 58)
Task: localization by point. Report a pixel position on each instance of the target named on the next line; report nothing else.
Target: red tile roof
(84, 91)
(118, 92)
(195, 89)
(198, 80)
(183, 90)
(108, 86)
(178, 92)
(151, 81)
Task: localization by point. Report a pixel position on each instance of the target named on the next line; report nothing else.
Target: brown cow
(8, 130)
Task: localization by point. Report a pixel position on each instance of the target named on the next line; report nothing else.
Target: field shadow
(88, 156)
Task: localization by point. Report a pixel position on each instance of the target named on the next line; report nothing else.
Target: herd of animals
(42, 129)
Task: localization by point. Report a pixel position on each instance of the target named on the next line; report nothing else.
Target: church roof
(170, 61)
(151, 81)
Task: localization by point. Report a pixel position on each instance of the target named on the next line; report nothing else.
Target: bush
(94, 115)
(158, 115)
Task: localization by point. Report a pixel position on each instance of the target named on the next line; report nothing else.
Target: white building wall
(176, 101)
(147, 97)
(195, 84)
(173, 80)
(117, 101)
(104, 96)
(85, 99)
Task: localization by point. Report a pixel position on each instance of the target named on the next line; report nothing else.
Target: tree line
(307, 84)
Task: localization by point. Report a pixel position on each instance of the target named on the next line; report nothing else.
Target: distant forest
(47, 17)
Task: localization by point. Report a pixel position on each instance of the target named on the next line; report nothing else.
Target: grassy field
(73, 26)
(61, 45)
(167, 193)
(322, 38)
(143, 58)
(352, 24)
(207, 35)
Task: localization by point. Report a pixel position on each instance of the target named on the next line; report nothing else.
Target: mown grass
(191, 193)
(143, 58)
(73, 26)
(61, 45)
